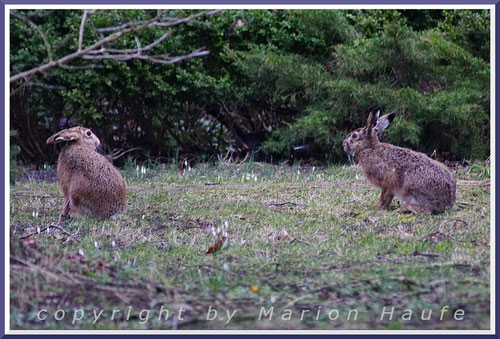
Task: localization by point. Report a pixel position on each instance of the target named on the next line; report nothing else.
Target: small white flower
(226, 267)
(96, 244)
(273, 299)
(143, 170)
(242, 241)
(113, 244)
(226, 224)
(143, 216)
(137, 168)
(80, 251)
(38, 230)
(48, 229)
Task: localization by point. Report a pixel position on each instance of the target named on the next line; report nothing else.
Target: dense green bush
(469, 29)
(440, 91)
(300, 76)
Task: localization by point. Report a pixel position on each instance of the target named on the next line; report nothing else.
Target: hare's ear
(372, 119)
(64, 135)
(383, 122)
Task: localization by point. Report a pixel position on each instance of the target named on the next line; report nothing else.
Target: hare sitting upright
(90, 184)
(423, 184)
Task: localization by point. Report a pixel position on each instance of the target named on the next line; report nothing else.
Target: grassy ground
(301, 240)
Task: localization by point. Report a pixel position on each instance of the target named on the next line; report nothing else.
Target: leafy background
(294, 77)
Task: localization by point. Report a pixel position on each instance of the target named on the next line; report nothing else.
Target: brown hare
(90, 184)
(423, 184)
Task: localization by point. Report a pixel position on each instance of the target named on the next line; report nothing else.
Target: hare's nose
(345, 146)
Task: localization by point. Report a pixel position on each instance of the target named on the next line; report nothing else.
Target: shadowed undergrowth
(306, 241)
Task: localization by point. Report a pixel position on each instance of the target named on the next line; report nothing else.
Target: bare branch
(82, 52)
(132, 50)
(162, 59)
(187, 19)
(194, 54)
(119, 28)
(98, 51)
(82, 29)
(139, 47)
(168, 23)
(38, 29)
(41, 14)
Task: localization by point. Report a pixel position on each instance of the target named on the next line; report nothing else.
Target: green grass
(297, 239)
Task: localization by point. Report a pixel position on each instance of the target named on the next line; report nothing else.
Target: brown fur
(90, 184)
(422, 183)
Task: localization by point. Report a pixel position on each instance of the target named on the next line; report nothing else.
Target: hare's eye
(89, 133)
(354, 135)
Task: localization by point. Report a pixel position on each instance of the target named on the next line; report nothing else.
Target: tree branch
(38, 29)
(97, 51)
(187, 19)
(132, 50)
(162, 59)
(82, 28)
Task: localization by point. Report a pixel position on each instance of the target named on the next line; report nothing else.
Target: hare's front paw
(63, 218)
(385, 200)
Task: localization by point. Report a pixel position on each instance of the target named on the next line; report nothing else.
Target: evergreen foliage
(304, 77)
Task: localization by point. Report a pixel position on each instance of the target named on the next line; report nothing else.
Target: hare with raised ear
(90, 184)
(423, 184)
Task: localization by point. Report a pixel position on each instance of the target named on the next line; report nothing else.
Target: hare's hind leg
(385, 199)
(416, 209)
(415, 201)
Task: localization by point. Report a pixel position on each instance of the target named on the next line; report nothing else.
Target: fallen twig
(299, 241)
(430, 255)
(48, 228)
(284, 203)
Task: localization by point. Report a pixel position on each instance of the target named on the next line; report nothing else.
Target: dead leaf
(284, 236)
(217, 246)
